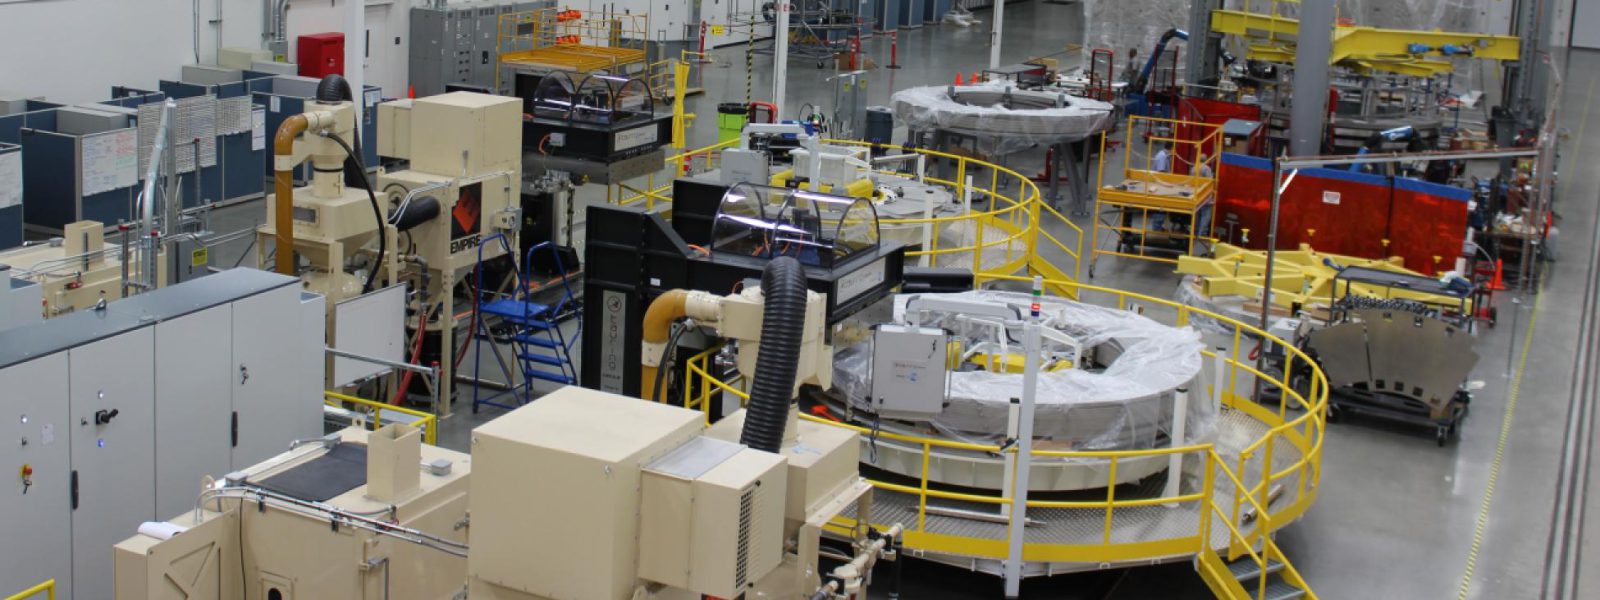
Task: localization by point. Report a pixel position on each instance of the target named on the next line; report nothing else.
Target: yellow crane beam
(1399, 50)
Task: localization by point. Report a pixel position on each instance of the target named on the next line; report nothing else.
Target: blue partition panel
(49, 182)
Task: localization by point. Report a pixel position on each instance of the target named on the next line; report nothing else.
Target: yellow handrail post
(961, 181)
(1111, 499)
(1233, 363)
(1266, 483)
(1208, 486)
(680, 88)
(1288, 380)
(922, 499)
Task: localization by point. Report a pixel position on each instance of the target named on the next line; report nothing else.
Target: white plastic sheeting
(1127, 405)
(998, 129)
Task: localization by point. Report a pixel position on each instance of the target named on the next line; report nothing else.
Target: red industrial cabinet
(321, 54)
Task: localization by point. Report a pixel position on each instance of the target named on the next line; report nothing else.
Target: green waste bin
(731, 117)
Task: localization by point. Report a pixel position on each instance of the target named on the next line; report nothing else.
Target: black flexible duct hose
(419, 211)
(783, 319)
(377, 213)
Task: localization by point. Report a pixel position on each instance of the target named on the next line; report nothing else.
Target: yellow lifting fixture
(1407, 52)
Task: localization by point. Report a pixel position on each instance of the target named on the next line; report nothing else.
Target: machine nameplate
(613, 315)
(638, 136)
(860, 282)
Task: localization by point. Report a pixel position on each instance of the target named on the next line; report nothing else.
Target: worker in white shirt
(1162, 163)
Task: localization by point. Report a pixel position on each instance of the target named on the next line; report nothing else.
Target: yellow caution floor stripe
(1511, 407)
(1499, 451)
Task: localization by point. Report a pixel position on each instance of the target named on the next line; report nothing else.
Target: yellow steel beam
(1372, 42)
(1299, 276)
(1382, 49)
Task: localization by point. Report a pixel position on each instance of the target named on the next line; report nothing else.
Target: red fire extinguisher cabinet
(321, 54)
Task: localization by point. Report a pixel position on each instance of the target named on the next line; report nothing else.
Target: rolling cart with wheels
(1346, 401)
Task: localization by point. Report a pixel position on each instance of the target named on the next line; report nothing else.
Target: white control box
(908, 371)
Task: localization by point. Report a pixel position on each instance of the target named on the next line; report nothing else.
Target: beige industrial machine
(78, 271)
(460, 189)
(582, 495)
(303, 525)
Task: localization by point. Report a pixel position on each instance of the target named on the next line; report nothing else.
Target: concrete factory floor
(1397, 516)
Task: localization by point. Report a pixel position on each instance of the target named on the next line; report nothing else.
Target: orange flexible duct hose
(658, 319)
(283, 190)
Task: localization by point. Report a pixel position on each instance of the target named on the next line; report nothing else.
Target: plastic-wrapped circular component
(1119, 394)
(818, 229)
(1002, 118)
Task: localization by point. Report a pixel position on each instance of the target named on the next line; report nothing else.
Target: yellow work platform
(1159, 205)
(579, 58)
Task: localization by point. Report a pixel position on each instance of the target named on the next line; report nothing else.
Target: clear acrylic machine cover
(818, 229)
(597, 98)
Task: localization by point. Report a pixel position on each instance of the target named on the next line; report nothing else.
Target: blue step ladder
(543, 350)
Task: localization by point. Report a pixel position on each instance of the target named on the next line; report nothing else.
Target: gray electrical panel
(908, 371)
(188, 258)
(459, 43)
(20, 301)
(441, 47)
(121, 411)
(485, 56)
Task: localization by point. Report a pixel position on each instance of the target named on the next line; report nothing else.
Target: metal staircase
(543, 351)
(1252, 576)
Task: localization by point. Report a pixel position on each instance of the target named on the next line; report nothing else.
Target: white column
(1180, 418)
(994, 33)
(1219, 379)
(355, 56)
(1030, 387)
(1009, 481)
(780, 58)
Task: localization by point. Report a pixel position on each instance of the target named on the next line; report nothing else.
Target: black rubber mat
(324, 477)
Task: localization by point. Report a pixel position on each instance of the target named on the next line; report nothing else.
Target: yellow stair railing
(427, 422)
(48, 587)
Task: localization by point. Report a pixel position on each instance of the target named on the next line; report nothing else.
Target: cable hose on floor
(783, 318)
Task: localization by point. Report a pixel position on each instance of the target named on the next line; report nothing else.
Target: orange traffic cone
(958, 78)
(974, 79)
(411, 91)
(1498, 283)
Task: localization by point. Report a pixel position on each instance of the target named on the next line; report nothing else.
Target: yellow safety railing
(48, 587)
(1243, 503)
(1017, 231)
(428, 422)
